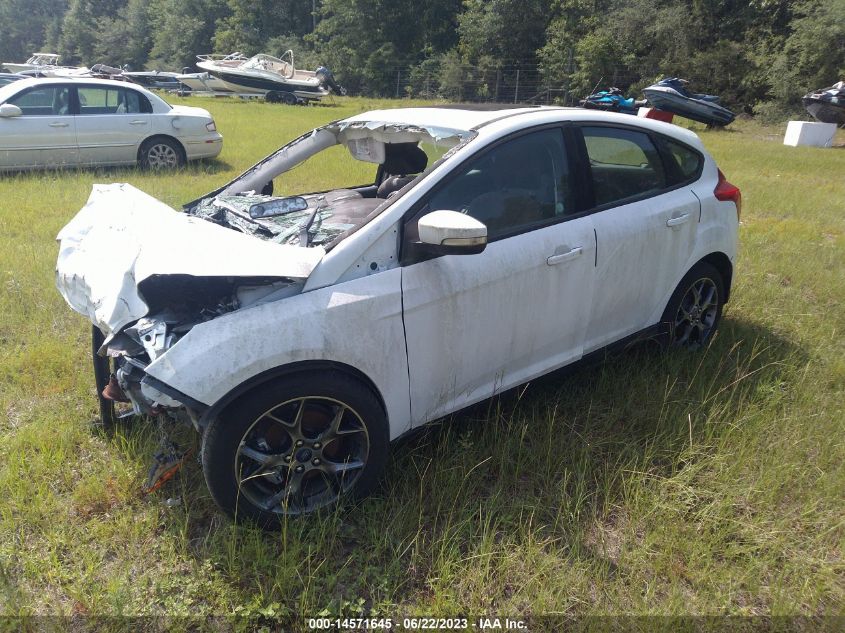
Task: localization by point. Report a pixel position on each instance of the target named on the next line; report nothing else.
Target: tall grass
(704, 483)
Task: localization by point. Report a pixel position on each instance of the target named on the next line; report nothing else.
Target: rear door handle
(137, 123)
(678, 220)
(564, 257)
(58, 124)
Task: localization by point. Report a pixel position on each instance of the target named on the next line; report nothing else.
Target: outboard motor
(327, 79)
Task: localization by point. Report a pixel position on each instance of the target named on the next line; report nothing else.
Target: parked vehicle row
(301, 334)
(278, 80)
(65, 122)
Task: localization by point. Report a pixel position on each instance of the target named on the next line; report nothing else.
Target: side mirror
(451, 233)
(10, 110)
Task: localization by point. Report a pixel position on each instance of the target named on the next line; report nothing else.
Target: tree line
(760, 55)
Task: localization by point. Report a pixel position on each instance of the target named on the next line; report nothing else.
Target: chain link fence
(526, 84)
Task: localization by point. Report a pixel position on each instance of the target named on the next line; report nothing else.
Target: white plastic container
(810, 134)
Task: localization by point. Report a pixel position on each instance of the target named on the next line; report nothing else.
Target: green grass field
(688, 483)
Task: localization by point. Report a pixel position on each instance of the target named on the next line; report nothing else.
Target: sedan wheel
(161, 154)
(295, 447)
(695, 309)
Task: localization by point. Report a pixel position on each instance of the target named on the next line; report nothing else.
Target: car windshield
(8, 90)
(348, 172)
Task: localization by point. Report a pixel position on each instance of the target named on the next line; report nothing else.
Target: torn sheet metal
(391, 132)
(123, 236)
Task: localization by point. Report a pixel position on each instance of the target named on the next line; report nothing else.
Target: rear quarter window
(684, 163)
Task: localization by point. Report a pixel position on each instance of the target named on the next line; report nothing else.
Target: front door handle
(564, 257)
(678, 220)
(137, 123)
(58, 124)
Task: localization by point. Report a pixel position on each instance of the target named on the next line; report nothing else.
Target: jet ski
(611, 100)
(827, 105)
(670, 94)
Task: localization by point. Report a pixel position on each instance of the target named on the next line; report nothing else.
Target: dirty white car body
(66, 122)
(522, 249)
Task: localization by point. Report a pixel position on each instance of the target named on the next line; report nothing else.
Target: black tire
(102, 373)
(288, 98)
(161, 153)
(695, 308)
(295, 445)
(273, 97)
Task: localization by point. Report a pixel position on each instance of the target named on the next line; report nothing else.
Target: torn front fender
(123, 236)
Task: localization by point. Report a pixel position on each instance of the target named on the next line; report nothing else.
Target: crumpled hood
(123, 236)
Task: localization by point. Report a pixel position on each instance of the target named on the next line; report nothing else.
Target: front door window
(516, 186)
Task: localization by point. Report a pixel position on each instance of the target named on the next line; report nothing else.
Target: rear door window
(111, 100)
(624, 164)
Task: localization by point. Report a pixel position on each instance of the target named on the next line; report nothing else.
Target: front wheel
(695, 309)
(102, 374)
(294, 446)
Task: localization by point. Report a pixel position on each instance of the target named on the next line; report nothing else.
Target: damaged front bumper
(124, 389)
(145, 274)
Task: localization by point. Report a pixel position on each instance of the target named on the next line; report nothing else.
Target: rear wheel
(161, 153)
(695, 309)
(294, 446)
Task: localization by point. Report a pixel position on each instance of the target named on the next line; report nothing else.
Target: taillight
(213, 128)
(726, 192)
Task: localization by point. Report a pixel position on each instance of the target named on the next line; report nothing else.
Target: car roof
(507, 117)
(46, 81)
(455, 117)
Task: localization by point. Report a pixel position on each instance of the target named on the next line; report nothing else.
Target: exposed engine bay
(177, 304)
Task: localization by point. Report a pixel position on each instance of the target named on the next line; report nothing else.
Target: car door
(44, 135)
(112, 123)
(478, 324)
(645, 231)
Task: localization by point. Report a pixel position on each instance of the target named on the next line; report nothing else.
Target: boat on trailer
(277, 79)
(37, 61)
(671, 95)
(203, 82)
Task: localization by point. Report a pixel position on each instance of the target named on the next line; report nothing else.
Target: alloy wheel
(301, 455)
(162, 156)
(697, 314)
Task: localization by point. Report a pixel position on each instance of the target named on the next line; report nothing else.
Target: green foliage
(182, 30)
(251, 23)
(25, 26)
(813, 55)
(510, 31)
(365, 42)
(759, 55)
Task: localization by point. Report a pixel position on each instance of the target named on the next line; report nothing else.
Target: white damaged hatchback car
(302, 333)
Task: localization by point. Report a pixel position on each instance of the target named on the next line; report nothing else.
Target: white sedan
(49, 123)
(301, 334)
